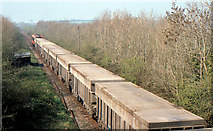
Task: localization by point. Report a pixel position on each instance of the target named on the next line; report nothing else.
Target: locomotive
(35, 36)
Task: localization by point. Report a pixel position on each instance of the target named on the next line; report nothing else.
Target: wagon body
(46, 49)
(52, 57)
(85, 77)
(64, 63)
(123, 105)
(39, 43)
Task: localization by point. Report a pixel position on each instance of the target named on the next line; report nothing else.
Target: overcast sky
(31, 11)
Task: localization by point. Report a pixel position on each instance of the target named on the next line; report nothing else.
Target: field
(29, 100)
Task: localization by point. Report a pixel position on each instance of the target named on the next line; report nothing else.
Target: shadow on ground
(36, 64)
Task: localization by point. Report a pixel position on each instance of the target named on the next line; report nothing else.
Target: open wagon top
(54, 52)
(41, 42)
(71, 59)
(152, 110)
(51, 46)
(94, 72)
(91, 73)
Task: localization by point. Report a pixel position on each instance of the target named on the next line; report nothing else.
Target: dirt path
(81, 116)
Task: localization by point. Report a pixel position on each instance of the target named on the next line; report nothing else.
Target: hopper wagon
(46, 51)
(64, 63)
(85, 77)
(53, 57)
(39, 43)
(124, 105)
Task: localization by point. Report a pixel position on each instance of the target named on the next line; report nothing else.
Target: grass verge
(29, 101)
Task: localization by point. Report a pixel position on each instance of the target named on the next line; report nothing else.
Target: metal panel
(137, 106)
(58, 51)
(71, 59)
(88, 74)
(91, 73)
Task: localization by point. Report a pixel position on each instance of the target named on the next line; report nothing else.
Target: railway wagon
(124, 105)
(45, 51)
(85, 76)
(53, 56)
(64, 62)
(39, 43)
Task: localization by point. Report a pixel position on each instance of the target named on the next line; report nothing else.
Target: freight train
(113, 102)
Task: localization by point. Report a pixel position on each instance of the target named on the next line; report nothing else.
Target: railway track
(81, 117)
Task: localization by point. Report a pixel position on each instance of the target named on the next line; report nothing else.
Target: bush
(196, 97)
(29, 101)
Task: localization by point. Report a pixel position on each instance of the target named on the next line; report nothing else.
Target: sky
(33, 11)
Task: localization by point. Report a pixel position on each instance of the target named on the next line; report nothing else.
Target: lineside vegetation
(169, 56)
(29, 100)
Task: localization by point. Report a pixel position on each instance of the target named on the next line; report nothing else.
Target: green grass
(30, 101)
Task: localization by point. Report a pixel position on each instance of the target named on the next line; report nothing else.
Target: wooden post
(79, 43)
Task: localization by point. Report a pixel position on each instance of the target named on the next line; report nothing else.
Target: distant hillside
(73, 21)
(76, 21)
